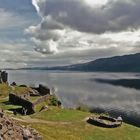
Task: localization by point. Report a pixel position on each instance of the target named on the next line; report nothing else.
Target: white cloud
(15, 55)
(96, 3)
(76, 25)
(47, 47)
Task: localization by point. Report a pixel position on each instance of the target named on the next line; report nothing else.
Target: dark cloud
(116, 15)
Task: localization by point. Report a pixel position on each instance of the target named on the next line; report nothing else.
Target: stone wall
(41, 100)
(16, 100)
(3, 77)
(43, 90)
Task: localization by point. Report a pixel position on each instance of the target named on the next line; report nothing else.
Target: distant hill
(126, 63)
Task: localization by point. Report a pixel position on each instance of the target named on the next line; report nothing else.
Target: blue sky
(16, 47)
(61, 32)
(24, 12)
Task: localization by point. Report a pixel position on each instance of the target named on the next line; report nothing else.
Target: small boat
(104, 121)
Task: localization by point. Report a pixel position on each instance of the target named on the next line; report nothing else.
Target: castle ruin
(3, 77)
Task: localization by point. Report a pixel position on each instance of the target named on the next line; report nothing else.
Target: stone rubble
(11, 130)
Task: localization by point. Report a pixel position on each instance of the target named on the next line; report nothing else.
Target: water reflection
(75, 88)
(129, 83)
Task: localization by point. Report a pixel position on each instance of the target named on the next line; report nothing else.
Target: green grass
(57, 114)
(8, 107)
(39, 106)
(34, 98)
(4, 90)
(4, 93)
(21, 90)
(77, 129)
(125, 132)
(85, 131)
(5, 105)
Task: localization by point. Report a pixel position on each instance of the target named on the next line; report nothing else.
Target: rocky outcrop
(11, 130)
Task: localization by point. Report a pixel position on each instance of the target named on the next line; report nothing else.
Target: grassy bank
(58, 114)
(66, 124)
(77, 128)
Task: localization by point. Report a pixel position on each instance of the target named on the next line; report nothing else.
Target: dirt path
(27, 119)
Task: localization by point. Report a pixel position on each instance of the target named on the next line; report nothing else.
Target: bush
(83, 107)
(53, 101)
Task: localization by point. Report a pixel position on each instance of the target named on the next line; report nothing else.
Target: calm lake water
(74, 88)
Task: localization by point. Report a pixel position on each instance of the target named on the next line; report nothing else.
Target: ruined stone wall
(43, 90)
(3, 77)
(41, 100)
(20, 101)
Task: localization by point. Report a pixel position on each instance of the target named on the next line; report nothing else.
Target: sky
(44, 33)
